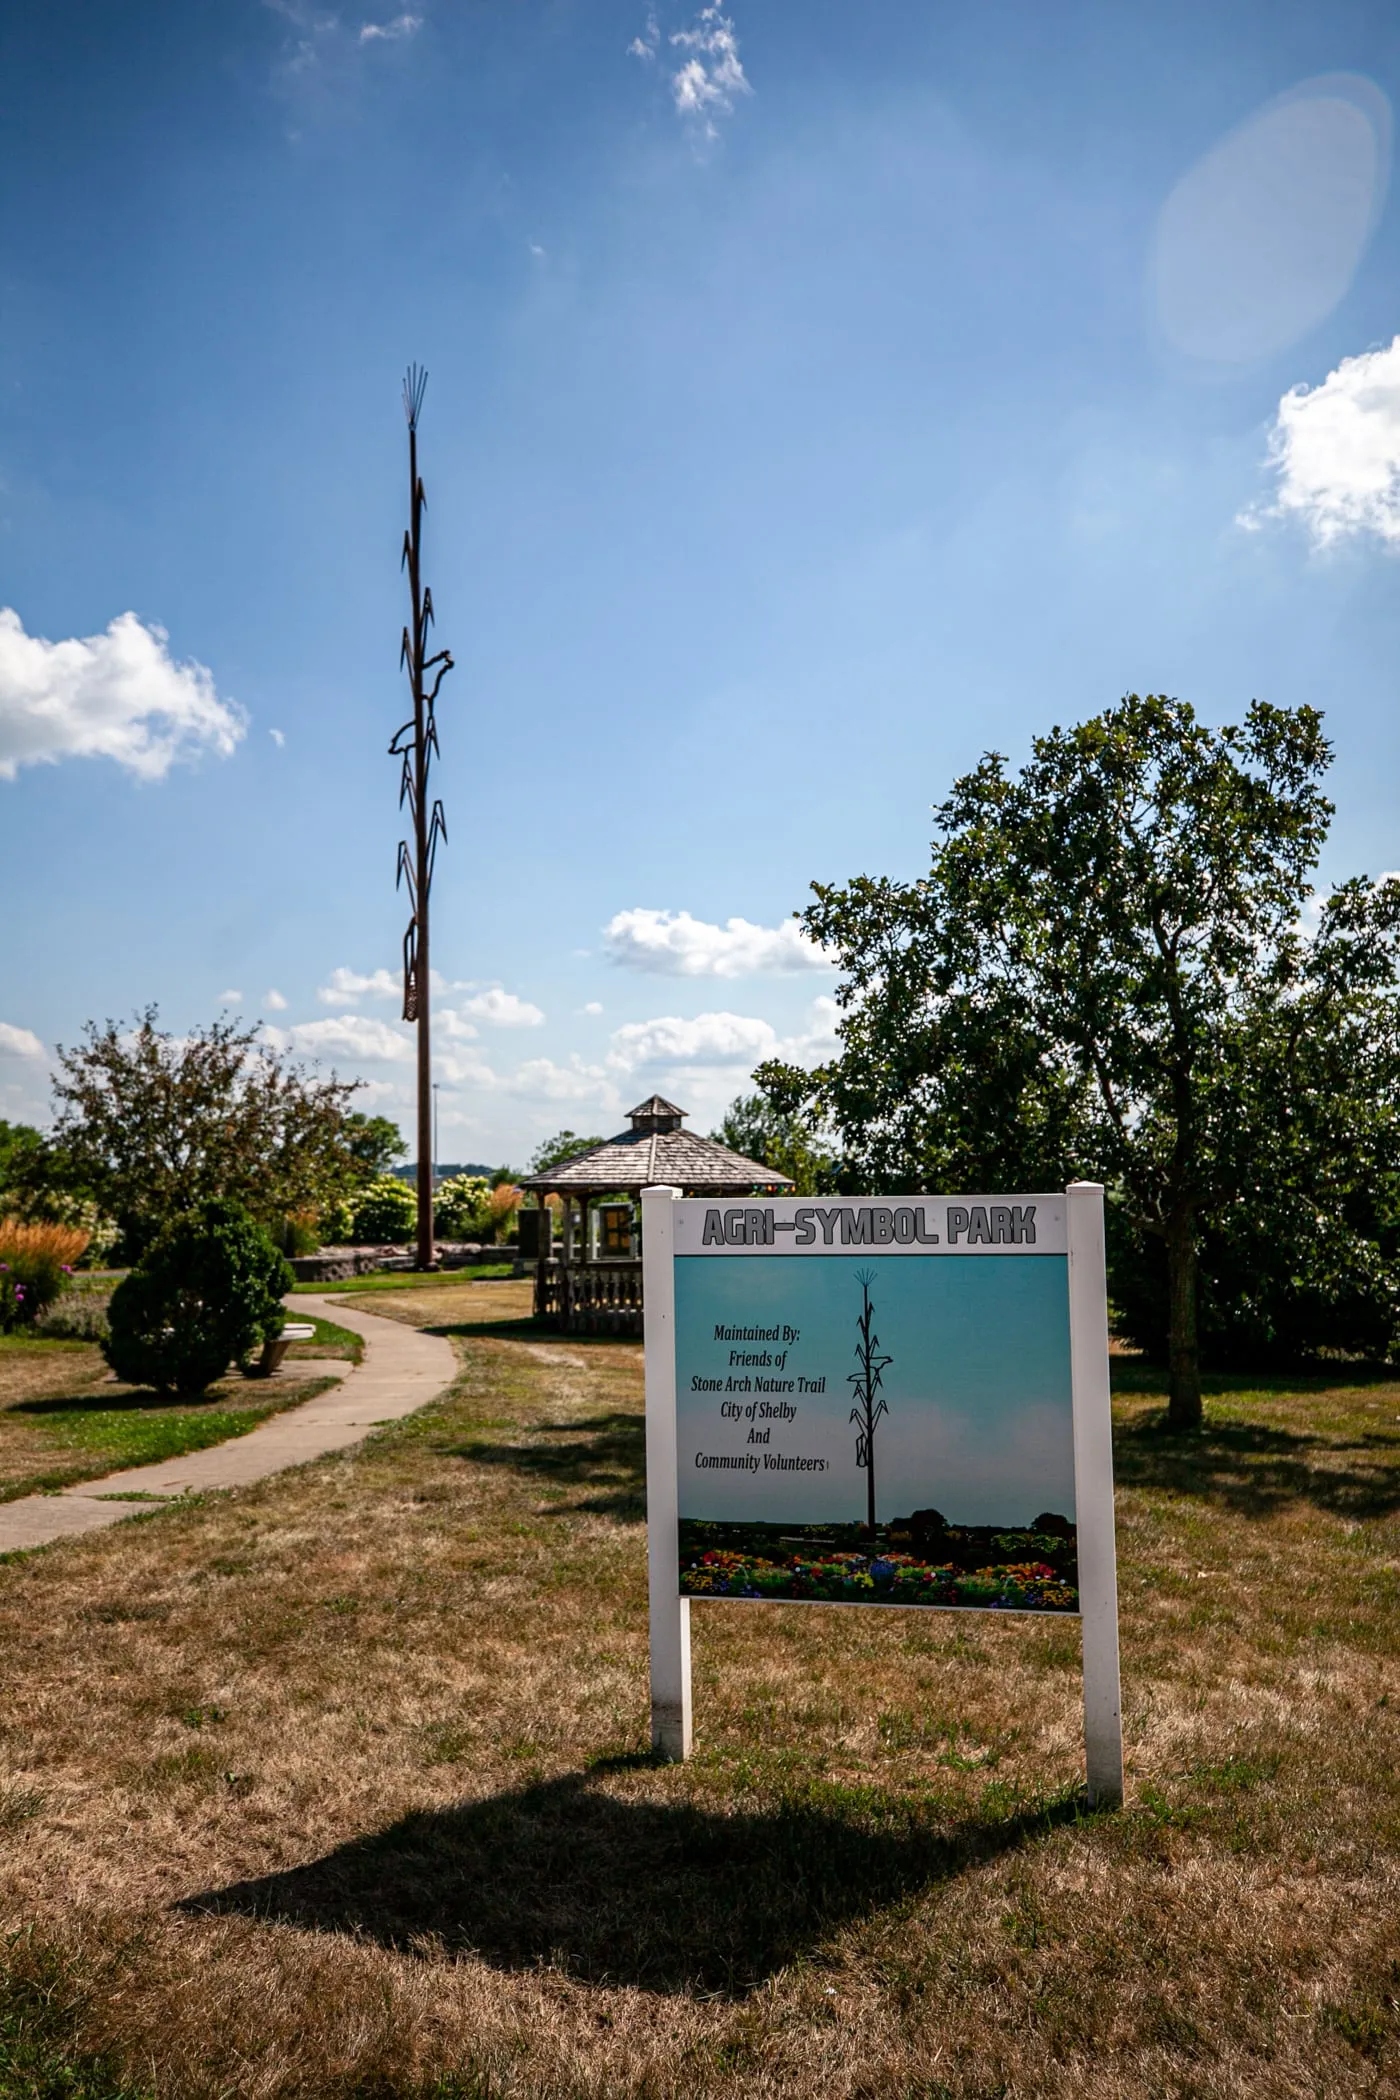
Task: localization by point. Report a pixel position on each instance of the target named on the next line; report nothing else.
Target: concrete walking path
(402, 1371)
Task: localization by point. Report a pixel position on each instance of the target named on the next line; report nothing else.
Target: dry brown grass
(333, 1787)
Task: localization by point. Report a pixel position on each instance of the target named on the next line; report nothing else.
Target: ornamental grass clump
(208, 1294)
(35, 1263)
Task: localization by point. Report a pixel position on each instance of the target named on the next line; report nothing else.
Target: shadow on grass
(105, 1402)
(660, 1895)
(531, 1330)
(606, 1453)
(1256, 1470)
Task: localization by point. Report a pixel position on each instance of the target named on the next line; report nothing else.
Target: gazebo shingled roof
(653, 1153)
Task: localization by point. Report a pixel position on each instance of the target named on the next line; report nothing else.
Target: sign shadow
(626, 1890)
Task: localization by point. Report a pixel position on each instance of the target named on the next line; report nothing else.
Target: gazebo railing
(592, 1298)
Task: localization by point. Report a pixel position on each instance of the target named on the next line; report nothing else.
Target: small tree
(208, 1293)
(871, 1404)
(565, 1144)
(375, 1145)
(155, 1124)
(788, 1144)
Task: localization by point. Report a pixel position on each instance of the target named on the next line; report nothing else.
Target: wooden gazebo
(589, 1281)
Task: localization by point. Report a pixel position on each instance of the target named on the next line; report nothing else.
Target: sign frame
(672, 1722)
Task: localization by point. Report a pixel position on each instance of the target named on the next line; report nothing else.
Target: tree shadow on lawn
(606, 1453)
(659, 1895)
(1255, 1470)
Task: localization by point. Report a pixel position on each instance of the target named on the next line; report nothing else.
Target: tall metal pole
(416, 742)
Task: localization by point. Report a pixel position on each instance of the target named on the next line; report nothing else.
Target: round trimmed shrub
(207, 1294)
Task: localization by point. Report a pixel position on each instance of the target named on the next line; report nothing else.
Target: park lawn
(337, 1786)
(498, 1306)
(64, 1419)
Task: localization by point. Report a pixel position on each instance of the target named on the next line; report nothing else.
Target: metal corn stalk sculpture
(870, 1401)
(416, 743)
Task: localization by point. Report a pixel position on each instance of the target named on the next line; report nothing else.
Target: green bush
(384, 1210)
(337, 1222)
(208, 1294)
(462, 1208)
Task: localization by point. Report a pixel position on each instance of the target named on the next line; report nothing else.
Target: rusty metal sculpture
(416, 743)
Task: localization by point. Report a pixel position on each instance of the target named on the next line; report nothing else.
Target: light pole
(416, 743)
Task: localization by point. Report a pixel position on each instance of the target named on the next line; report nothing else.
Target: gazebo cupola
(656, 1114)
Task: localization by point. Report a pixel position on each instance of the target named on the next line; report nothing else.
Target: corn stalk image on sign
(870, 1401)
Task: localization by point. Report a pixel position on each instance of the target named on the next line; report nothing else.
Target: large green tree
(155, 1124)
(1105, 972)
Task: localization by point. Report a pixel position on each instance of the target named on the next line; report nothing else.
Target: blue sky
(980, 1424)
(817, 397)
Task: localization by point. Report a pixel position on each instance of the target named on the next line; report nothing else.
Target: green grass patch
(328, 1340)
(137, 1431)
(409, 1280)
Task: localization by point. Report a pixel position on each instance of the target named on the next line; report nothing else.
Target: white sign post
(978, 1328)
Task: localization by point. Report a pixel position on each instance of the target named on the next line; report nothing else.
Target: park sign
(894, 1401)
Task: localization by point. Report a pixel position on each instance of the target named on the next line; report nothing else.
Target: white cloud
(275, 1002)
(449, 1022)
(540, 1078)
(721, 1039)
(117, 695)
(704, 87)
(348, 986)
(709, 76)
(1336, 450)
(18, 1042)
(673, 944)
(278, 737)
(346, 1035)
(594, 1006)
(230, 998)
(390, 32)
(708, 1039)
(503, 1009)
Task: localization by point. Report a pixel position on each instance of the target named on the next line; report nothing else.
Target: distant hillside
(444, 1171)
